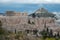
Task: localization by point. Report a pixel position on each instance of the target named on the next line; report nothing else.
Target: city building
(12, 13)
(21, 20)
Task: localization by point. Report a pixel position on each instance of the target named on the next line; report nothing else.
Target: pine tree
(58, 34)
(51, 33)
(33, 15)
(29, 22)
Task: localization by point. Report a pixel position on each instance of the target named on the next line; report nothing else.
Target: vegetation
(45, 15)
(47, 34)
(2, 31)
(33, 15)
(30, 22)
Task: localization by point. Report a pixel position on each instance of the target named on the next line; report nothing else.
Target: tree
(27, 31)
(0, 24)
(33, 23)
(44, 33)
(47, 29)
(44, 24)
(15, 31)
(55, 35)
(51, 33)
(35, 31)
(58, 34)
(2, 30)
(33, 15)
(29, 22)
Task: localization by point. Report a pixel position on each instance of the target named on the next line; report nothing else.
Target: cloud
(30, 1)
(4, 1)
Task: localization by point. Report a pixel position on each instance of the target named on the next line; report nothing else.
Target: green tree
(2, 30)
(44, 34)
(33, 15)
(51, 33)
(58, 34)
(29, 22)
(0, 23)
(35, 32)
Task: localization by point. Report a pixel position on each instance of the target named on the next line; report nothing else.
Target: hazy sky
(30, 1)
(29, 5)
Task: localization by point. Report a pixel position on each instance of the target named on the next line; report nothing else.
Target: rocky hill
(42, 13)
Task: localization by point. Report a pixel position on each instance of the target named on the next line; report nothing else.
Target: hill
(42, 13)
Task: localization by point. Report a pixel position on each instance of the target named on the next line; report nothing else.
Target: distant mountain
(42, 12)
(2, 14)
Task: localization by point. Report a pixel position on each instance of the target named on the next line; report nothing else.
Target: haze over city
(29, 19)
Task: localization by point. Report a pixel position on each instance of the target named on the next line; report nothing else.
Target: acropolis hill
(21, 20)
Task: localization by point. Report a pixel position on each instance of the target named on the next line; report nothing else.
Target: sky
(29, 5)
(30, 1)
